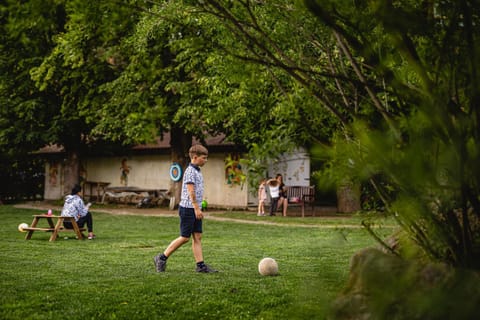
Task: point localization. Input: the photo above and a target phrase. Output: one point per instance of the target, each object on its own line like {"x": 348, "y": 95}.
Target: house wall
{"x": 54, "y": 183}
{"x": 152, "y": 172}
{"x": 294, "y": 167}
{"x": 146, "y": 171}
{"x": 219, "y": 190}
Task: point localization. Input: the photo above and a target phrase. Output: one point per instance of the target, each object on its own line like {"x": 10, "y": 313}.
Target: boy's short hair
{"x": 197, "y": 150}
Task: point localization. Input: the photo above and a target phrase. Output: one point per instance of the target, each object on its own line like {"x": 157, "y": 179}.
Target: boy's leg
{"x": 187, "y": 227}
{"x": 197, "y": 247}
{"x": 198, "y": 254}
{"x": 160, "y": 260}
{"x": 187, "y": 222}
{"x": 197, "y": 240}
{"x": 174, "y": 245}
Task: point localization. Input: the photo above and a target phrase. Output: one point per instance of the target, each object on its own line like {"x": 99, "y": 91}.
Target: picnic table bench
{"x": 94, "y": 190}
{"x": 301, "y": 196}
{"x": 55, "y": 228}
{"x": 133, "y": 195}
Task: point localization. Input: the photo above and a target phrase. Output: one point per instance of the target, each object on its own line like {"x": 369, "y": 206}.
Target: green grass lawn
{"x": 113, "y": 277}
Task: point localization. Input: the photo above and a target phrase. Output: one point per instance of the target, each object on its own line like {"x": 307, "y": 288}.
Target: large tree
{"x": 282, "y": 79}
{"x": 428, "y": 59}
{"x": 26, "y": 37}
{"x": 184, "y": 72}
{"x": 180, "y": 75}
{"x": 279, "y": 74}
{"x": 400, "y": 77}
{"x": 55, "y": 58}
{"x": 82, "y": 59}
{"x": 142, "y": 103}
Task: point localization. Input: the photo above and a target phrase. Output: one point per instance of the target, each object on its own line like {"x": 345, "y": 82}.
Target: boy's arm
{"x": 193, "y": 198}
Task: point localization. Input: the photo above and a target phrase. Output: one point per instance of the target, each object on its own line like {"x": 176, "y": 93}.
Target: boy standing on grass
{"x": 190, "y": 212}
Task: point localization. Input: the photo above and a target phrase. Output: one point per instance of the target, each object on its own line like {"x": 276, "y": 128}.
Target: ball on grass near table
{"x": 22, "y": 226}
{"x": 268, "y": 267}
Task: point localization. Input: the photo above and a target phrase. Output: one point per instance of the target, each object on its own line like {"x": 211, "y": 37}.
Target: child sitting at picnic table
{"x": 75, "y": 207}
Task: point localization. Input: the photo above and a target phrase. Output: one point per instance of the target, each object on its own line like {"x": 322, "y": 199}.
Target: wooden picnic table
{"x": 127, "y": 194}
{"x": 55, "y": 228}
{"x": 94, "y": 189}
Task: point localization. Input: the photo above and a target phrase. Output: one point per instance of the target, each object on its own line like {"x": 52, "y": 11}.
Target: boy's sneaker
{"x": 160, "y": 265}
{"x": 205, "y": 269}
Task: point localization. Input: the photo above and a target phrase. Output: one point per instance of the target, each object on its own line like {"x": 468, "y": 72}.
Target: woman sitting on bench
{"x": 283, "y": 201}
{"x": 75, "y": 207}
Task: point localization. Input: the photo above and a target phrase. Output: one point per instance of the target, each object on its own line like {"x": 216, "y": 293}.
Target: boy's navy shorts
{"x": 188, "y": 223}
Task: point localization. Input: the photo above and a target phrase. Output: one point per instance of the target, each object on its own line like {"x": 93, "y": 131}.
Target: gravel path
{"x": 162, "y": 212}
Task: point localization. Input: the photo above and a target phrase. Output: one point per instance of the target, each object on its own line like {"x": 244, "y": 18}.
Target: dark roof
{"x": 51, "y": 148}
{"x": 164, "y": 143}
{"x": 161, "y": 144}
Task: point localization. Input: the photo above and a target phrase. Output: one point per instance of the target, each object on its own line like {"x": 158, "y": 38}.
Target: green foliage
{"x": 383, "y": 286}
{"x": 259, "y": 51}
{"x": 80, "y": 62}
{"x": 57, "y": 54}
{"x": 129, "y": 72}
{"x": 22, "y": 179}
{"x": 426, "y": 148}
{"x": 253, "y": 87}
{"x": 26, "y": 35}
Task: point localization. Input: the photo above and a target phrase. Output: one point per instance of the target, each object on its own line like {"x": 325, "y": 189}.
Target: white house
{"x": 149, "y": 167}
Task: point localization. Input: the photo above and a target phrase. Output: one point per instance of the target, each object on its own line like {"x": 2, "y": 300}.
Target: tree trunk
{"x": 348, "y": 198}
{"x": 180, "y": 142}
{"x": 71, "y": 171}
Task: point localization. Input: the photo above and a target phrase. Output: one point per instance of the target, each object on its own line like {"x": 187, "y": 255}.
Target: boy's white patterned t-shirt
{"x": 192, "y": 175}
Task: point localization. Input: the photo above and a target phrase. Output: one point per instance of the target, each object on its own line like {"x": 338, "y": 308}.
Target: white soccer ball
{"x": 22, "y": 226}
{"x": 268, "y": 267}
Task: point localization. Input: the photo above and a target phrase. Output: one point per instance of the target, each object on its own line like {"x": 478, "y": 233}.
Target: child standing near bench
{"x": 262, "y": 197}
{"x": 274, "y": 189}
{"x": 283, "y": 200}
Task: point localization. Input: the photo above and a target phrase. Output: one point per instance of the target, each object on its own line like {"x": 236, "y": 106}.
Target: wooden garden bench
{"x": 55, "y": 228}
{"x": 301, "y": 196}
